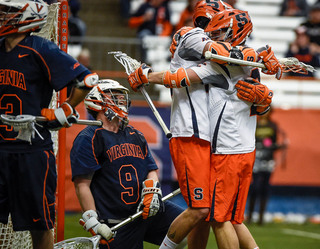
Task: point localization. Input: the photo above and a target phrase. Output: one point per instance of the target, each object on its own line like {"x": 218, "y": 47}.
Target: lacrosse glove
{"x": 64, "y": 116}
{"x": 176, "y": 38}
{"x": 270, "y": 61}
{"x": 91, "y": 224}
{"x": 150, "y": 198}
{"x": 253, "y": 91}
{"x": 139, "y": 77}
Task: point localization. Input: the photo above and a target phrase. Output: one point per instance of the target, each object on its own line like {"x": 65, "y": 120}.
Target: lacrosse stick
{"x": 138, "y": 214}
{"x": 79, "y": 121}
{"x": 79, "y": 243}
{"x": 130, "y": 65}
{"x": 290, "y": 64}
{"x": 25, "y": 125}
{"x": 93, "y": 242}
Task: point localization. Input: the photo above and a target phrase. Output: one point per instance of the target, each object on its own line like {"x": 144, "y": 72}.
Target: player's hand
{"x": 91, "y": 224}
{"x": 139, "y": 77}
{"x": 253, "y": 91}
{"x": 150, "y": 198}
{"x": 262, "y": 109}
{"x": 270, "y": 61}
{"x": 176, "y": 37}
{"x": 64, "y": 116}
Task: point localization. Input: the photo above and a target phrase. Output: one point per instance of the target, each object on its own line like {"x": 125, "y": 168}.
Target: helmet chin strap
{"x": 110, "y": 115}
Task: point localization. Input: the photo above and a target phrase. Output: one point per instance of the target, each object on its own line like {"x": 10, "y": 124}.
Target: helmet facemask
{"x": 22, "y": 16}
{"x": 116, "y": 104}
{"x": 111, "y": 98}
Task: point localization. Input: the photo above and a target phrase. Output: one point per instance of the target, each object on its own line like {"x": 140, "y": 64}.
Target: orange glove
{"x": 139, "y": 77}
{"x": 270, "y": 61}
{"x": 176, "y": 38}
{"x": 64, "y": 116}
{"x": 259, "y": 109}
{"x": 151, "y": 196}
{"x": 253, "y": 91}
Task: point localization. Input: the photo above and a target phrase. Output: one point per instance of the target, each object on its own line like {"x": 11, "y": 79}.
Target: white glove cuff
{"x": 61, "y": 116}
{"x": 88, "y": 214}
{"x": 92, "y": 223}
{"x": 152, "y": 190}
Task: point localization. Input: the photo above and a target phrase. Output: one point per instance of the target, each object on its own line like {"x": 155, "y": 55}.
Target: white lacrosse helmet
{"x": 111, "y": 97}
{"x": 20, "y": 16}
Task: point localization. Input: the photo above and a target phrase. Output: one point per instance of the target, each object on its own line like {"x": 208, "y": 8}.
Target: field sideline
{"x": 269, "y": 236}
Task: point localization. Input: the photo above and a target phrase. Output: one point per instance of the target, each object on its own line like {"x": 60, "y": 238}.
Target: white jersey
{"x": 232, "y": 127}
{"x": 189, "y": 114}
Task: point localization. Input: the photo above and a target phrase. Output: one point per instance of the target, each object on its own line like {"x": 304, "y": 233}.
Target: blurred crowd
{"x": 154, "y": 18}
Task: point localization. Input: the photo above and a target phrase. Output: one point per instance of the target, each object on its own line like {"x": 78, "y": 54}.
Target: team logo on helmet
{"x": 20, "y": 16}
{"x": 230, "y": 25}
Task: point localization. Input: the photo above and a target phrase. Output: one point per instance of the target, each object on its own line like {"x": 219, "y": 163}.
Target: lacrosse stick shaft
{"x": 138, "y": 214}
{"x": 155, "y": 112}
{"x": 210, "y": 55}
{"x": 299, "y": 67}
{"x": 79, "y": 121}
{"x": 130, "y": 65}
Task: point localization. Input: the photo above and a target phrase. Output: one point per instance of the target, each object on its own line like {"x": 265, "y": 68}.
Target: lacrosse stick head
{"x": 230, "y": 25}
{"x": 24, "y": 124}
{"x": 111, "y": 98}
{"x": 79, "y": 243}
{"x": 20, "y": 16}
{"x": 126, "y": 61}
{"x": 292, "y": 64}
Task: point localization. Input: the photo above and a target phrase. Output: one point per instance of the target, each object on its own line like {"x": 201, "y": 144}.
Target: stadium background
{"x": 296, "y": 180}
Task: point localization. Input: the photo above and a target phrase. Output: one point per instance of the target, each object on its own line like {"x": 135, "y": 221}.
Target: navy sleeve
{"x": 82, "y": 157}
{"x": 149, "y": 160}
{"x": 62, "y": 67}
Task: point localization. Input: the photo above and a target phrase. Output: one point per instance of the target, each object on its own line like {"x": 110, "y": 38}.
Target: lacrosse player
{"x": 115, "y": 174}
{"x": 215, "y": 114}
{"x": 32, "y": 67}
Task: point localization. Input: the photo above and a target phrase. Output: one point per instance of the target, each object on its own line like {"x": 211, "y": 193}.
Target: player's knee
{"x": 200, "y": 213}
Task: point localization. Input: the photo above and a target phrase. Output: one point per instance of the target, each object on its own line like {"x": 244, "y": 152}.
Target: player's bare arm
{"x": 82, "y": 187}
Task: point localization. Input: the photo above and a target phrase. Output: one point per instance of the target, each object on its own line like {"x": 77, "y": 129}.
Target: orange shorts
{"x": 191, "y": 159}
{"x": 231, "y": 179}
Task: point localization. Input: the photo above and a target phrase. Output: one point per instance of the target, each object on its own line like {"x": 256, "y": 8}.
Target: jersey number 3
{"x": 10, "y": 104}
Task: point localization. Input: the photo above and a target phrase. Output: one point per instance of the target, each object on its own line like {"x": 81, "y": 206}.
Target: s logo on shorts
{"x": 198, "y": 194}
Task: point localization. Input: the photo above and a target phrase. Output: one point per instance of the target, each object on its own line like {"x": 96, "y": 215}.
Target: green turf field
{"x": 269, "y": 236}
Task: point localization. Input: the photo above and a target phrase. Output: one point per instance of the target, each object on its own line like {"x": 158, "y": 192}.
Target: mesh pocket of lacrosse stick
{"x": 18, "y": 122}
{"x": 79, "y": 243}
{"x": 292, "y": 64}
{"x": 24, "y": 124}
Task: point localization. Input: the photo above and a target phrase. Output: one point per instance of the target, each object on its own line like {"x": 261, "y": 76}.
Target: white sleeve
{"x": 192, "y": 45}
{"x": 212, "y": 73}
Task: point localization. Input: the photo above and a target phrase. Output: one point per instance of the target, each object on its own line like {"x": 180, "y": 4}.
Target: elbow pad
{"x": 177, "y": 79}
{"x": 88, "y": 82}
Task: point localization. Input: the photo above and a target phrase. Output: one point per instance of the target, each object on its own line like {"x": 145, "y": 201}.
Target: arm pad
{"x": 177, "y": 79}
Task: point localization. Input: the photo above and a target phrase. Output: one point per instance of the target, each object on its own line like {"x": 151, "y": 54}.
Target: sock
{"x": 167, "y": 244}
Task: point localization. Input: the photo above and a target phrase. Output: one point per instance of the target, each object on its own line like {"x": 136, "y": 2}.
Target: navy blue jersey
{"x": 28, "y": 75}
{"x": 120, "y": 163}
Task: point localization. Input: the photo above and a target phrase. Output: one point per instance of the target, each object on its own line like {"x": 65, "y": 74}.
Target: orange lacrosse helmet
{"x": 230, "y": 25}
{"x": 205, "y": 10}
